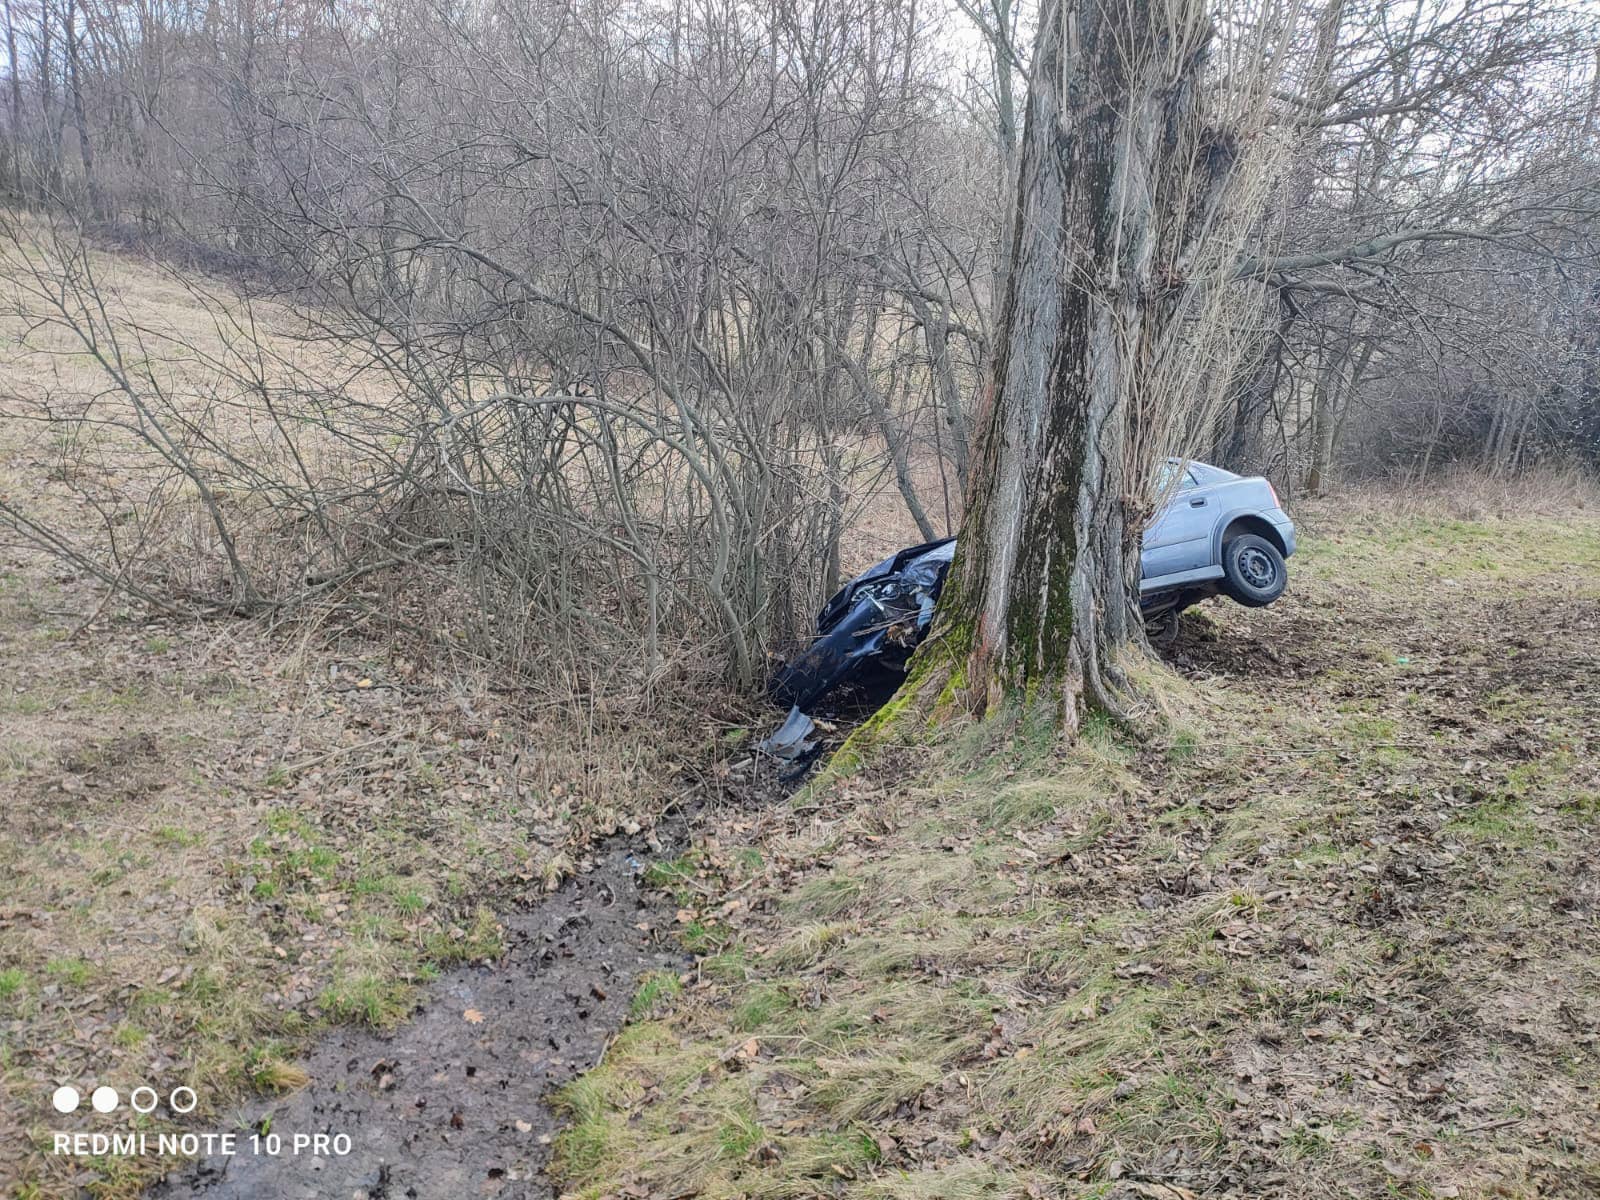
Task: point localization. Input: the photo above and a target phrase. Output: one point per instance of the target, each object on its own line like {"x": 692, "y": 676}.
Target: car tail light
{"x": 1274, "y": 493}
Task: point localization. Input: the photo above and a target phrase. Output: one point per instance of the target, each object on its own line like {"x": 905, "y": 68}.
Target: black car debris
{"x": 1217, "y": 533}
{"x": 865, "y": 636}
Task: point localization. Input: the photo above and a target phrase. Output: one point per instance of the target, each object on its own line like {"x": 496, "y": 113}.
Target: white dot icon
{"x": 65, "y": 1099}
{"x": 104, "y": 1099}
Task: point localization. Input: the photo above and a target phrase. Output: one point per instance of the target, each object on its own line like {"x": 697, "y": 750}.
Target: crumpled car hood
{"x": 878, "y": 617}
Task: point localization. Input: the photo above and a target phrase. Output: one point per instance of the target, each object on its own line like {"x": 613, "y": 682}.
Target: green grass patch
{"x": 70, "y": 972}
{"x": 1503, "y": 819}
{"x": 367, "y": 997}
{"x": 13, "y": 980}
{"x": 480, "y": 939}
{"x": 656, "y": 991}
{"x": 761, "y": 1008}
{"x": 670, "y": 874}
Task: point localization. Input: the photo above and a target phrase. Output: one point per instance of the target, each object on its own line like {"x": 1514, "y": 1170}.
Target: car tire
{"x": 1254, "y": 571}
{"x": 1162, "y": 629}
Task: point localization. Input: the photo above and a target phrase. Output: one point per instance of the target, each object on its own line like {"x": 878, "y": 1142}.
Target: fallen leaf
{"x": 472, "y": 1017}
{"x": 1163, "y": 1191}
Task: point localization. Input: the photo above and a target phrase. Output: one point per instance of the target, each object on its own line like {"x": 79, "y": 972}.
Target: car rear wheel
{"x": 1254, "y": 570}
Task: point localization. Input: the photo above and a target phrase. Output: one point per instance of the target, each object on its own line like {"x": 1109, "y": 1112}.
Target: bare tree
{"x": 700, "y": 286}
{"x": 1119, "y": 178}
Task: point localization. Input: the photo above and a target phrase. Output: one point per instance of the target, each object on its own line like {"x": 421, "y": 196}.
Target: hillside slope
{"x": 1336, "y": 935}
{"x": 223, "y": 837}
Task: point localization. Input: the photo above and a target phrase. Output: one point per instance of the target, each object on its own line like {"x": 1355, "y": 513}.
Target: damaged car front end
{"x": 1212, "y": 533}
{"x": 865, "y": 636}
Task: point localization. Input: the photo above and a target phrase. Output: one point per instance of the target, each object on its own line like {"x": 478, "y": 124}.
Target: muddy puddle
{"x": 452, "y": 1104}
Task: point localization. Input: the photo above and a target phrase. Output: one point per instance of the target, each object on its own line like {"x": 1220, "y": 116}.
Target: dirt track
{"x": 451, "y": 1103}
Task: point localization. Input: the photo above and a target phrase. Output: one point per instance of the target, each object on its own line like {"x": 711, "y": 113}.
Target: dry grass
{"x": 1333, "y": 933}
{"x": 222, "y": 835}
{"x": 226, "y": 834}
{"x": 1470, "y": 494}
{"x": 215, "y": 843}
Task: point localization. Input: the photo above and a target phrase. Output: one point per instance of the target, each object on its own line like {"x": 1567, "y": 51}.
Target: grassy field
{"x": 1333, "y": 933}
{"x": 224, "y": 836}
{"x": 221, "y": 836}
{"x": 1334, "y": 928}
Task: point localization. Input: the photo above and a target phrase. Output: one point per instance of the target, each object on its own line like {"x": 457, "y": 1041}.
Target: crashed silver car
{"x": 1216, "y": 533}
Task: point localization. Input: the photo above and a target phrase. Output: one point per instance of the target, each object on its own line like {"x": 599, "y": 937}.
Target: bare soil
{"x": 453, "y": 1102}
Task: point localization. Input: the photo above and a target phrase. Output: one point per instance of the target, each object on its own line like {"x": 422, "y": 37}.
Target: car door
{"x": 1178, "y": 539}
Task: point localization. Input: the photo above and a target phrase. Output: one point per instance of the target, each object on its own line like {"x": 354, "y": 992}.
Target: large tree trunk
{"x": 1041, "y": 597}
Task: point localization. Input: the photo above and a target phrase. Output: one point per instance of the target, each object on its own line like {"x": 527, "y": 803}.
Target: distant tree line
{"x": 849, "y": 164}
{"x": 740, "y": 267}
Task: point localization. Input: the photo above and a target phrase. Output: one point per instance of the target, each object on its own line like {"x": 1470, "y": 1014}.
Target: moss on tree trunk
{"x": 1041, "y": 600}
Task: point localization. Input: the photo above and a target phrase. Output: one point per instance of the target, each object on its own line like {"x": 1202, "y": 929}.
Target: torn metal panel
{"x": 792, "y": 739}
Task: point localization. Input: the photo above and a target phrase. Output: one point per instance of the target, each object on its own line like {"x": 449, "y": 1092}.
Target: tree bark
{"x": 1040, "y": 601}
{"x": 80, "y": 119}
{"x": 18, "y": 179}
{"x": 1322, "y": 401}
{"x": 1240, "y": 442}
{"x": 935, "y": 324}
{"x": 48, "y": 171}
